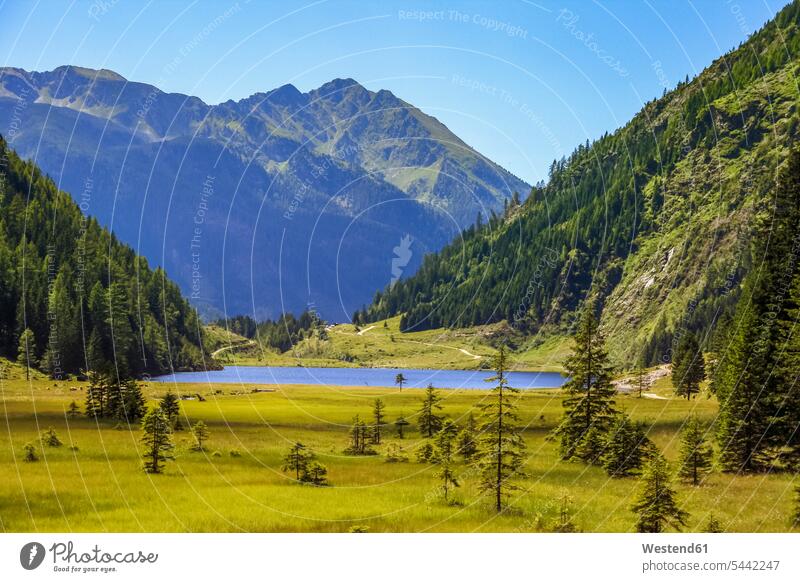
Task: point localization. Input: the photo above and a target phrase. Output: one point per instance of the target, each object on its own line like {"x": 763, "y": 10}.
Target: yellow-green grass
{"x": 381, "y": 344}
{"x": 101, "y": 487}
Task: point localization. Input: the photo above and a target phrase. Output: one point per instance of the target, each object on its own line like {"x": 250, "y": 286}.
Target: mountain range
{"x": 278, "y": 202}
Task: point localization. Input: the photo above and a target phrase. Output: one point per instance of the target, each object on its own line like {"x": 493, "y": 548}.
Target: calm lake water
{"x": 362, "y": 377}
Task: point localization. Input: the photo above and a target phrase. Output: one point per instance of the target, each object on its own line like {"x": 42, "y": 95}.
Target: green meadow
{"x": 237, "y": 484}
{"x": 382, "y": 344}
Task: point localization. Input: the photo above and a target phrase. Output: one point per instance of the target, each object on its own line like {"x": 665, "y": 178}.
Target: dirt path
{"x": 363, "y": 331}
{"x": 465, "y": 352}
{"x": 653, "y": 396}
{"x": 215, "y": 353}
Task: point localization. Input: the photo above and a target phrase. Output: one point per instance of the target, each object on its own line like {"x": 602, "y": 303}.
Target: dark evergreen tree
{"x": 426, "y": 453}
{"x": 157, "y": 440}
{"x": 73, "y": 410}
{"x": 400, "y": 380}
{"x": 171, "y": 407}
{"x": 444, "y": 444}
{"x": 592, "y": 446}
{"x": 688, "y": 368}
{"x": 378, "y": 420}
{"x": 26, "y": 353}
{"x": 315, "y": 474}
{"x": 627, "y": 447}
{"x": 97, "y": 395}
{"x": 201, "y": 434}
{"x": 655, "y": 504}
{"x": 501, "y": 451}
{"x": 360, "y": 439}
{"x": 467, "y": 443}
{"x": 695, "y": 460}
{"x": 131, "y": 405}
{"x": 428, "y": 421}
{"x": 589, "y": 401}
{"x": 640, "y": 380}
{"x": 713, "y": 525}
{"x": 50, "y": 438}
{"x": 756, "y": 377}
{"x": 297, "y": 460}
{"x": 30, "y": 453}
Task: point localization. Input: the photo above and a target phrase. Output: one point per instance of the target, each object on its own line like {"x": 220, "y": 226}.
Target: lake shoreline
{"x": 362, "y": 377}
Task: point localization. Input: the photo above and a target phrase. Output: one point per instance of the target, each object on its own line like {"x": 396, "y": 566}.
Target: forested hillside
{"x": 88, "y": 301}
{"x": 652, "y": 221}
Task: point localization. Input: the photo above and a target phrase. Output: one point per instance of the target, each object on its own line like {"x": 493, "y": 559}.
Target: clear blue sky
{"x": 523, "y": 82}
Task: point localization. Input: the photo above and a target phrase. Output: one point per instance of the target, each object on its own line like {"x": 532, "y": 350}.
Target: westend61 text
{"x": 675, "y": 549}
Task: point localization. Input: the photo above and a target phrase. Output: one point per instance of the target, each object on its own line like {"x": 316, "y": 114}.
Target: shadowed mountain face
{"x": 277, "y": 202}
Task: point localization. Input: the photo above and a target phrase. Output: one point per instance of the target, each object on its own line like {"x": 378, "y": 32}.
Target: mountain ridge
{"x": 335, "y": 170}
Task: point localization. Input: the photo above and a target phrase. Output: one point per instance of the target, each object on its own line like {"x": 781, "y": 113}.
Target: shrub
{"x": 30, "y": 453}
{"x": 50, "y": 438}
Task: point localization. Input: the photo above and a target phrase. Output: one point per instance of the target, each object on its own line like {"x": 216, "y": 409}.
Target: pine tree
{"x": 50, "y": 438}
{"x": 97, "y": 395}
{"x": 426, "y": 453}
{"x": 396, "y": 454}
{"x": 297, "y": 460}
{"x": 131, "y": 406}
{"x": 565, "y": 523}
{"x": 501, "y": 450}
{"x": 627, "y": 447}
{"x": 468, "y": 439}
{"x": 157, "y": 440}
{"x": 713, "y": 525}
{"x": 26, "y": 354}
{"x": 399, "y": 380}
{"x": 444, "y": 455}
{"x": 200, "y": 433}
{"x": 640, "y": 379}
{"x": 592, "y": 447}
{"x": 73, "y": 410}
{"x": 796, "y": 516}
{"x": 755, "y": 380}
{"x": 655, "y": 504}
{"x": 95, "y": 358}
{"x": 315, "y": 474}
{"x": 429, "y": 422}
{"x": 30, "y": 453}
{"x": 378, "y": 420}
{"x": 118, "y": 322}
{"x": 688, "y": 368}
{"x": 359, "y": 438}
{"x": 589, "y": 392}
{"x": 171, "y": 407}
{"x": 695, "y": 460}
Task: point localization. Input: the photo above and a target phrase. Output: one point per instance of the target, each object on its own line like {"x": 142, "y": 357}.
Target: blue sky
{"x": 523, "y": 82}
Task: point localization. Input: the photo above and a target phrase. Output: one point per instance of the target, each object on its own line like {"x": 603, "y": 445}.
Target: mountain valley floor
{"x": 94, "y": 482}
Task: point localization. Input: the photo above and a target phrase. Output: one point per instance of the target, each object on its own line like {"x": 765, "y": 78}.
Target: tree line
{"x": 280, "y": 334}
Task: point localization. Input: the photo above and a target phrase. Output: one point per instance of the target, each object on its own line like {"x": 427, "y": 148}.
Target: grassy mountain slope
{"x": 651, "y": 221}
